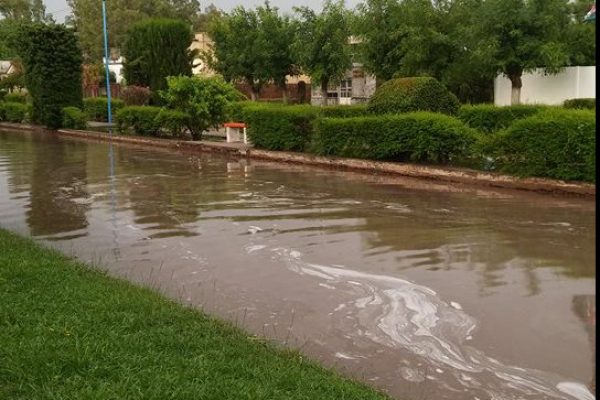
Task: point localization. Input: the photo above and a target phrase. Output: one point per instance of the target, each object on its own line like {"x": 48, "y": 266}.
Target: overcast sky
{"x": 60, "y": 9}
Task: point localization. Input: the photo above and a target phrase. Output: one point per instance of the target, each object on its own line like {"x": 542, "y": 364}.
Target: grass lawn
{"x": 69, "y": 332}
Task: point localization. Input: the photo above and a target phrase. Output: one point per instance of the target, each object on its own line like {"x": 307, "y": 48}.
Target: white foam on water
{"x": 576, "y": 390}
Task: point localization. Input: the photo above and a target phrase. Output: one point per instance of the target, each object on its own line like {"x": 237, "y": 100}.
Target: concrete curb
{"x": 447, "y": 174}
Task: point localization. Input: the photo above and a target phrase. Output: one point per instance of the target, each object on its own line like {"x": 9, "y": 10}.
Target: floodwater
{"x": 425, "y": 290}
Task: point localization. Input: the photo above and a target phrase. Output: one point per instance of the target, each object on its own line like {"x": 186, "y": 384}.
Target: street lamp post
{"x": 106, "y": 63}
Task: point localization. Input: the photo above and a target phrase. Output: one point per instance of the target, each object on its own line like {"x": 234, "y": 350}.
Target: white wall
{"x": 571, "y": 83}
{"x": 115, "y": 66}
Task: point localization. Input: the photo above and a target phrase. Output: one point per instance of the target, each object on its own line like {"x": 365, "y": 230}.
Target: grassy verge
{"x": 69, "y": 332}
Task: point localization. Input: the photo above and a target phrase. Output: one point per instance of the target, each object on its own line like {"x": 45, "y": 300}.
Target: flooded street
{"x": 426, "y": 290}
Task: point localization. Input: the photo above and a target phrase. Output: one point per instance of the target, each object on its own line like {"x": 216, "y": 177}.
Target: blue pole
{"x": 106, "y": 66}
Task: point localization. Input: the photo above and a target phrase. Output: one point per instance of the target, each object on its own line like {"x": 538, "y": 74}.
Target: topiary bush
{"x": 172, "y": 123}
{"x": 96, "y": 108}
{"x": 52, "y": 58}
{"x": 74, "y": 118}
{"x": 355, "y": 110}
{"x": 136, "y": 95}
{"x": 16, "y": 97}
{"x": 489, "y": 118}
{"x": 580, "y": 104}
{"x": 419, "y": 136}
{"x": 558, "y": 144}
{"x": 413, "y": 94}
{"x": 139, "y": 120}
{"x": 279, "y": 127}
{"x": 13, "y": 112}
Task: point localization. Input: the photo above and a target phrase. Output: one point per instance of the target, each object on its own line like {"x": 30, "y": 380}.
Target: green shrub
{"x": 13, "y": 112}
{"x": 172, "y": 123}
{"x": 16, "y": 97}
{"x": 74, "y": 118}
{"x": 580, "y": 104}
{"x": 558, "y": 144}
{"x": 96, "y": 108}
{"x": 54, "y": 72}
{"x": 490, "y": 118}
{"x": 278, "y": 127}
{"x": 139, "y": 120}
{"x": 419, "y": 136}
{"x": 136, "y": 95}
{"x": 413, "y": 94}
{"x": 355, "y": 110}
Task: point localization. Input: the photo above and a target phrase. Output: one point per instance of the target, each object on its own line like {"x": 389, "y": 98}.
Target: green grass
{"x": 69, "y": 332}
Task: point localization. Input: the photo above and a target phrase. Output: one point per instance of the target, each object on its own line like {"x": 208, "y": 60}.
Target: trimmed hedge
{"x": 74, "y": 118}
{"x": 96, "y": 108}
{"x": 558, "y": 144}
{"x": 355, "y": 110}
{"x": 139, "y": 120}
{"x": 580, "y": 104}
{"x": 489, "y": 118}
{"x": 13, "y": 112}
{"x": 419, "y": 136}
{"x": 413, "y": 94}
{"x": 172, "y": 123}
{"x": 278, "y": 127}
{"x": 16, "y": 98}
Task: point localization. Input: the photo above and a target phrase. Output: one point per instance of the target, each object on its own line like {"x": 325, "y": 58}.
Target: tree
{"x": 322, "y": 43}
{"x": 53, "y": 72}
{"x": 521, "y": 35}
{"x": 155, "y": 49}
{"x": 205, "y": 99}
{"x": 24, "y": 10}
{"x": 237, "y": 53}
{"x": 203, "y": 20}
{"x": 121, "y": 15}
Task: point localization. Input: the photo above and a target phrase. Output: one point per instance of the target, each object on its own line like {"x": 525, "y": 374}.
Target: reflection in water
{"x": 397, "y": 281}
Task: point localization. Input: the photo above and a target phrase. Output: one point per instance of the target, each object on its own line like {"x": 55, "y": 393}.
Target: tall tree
{"x": 121, "y": 15}
{"x": 322, "y": 43}
{"x": 28, "y": 10}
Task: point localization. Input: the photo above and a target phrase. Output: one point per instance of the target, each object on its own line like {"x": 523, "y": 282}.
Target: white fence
{"x": 571, "y": 83}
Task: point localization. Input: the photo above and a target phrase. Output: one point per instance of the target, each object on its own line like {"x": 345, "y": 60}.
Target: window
{"x": 346, "y": 87}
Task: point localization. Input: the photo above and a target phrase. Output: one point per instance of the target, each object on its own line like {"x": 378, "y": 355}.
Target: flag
{"x": 591, "y": 15}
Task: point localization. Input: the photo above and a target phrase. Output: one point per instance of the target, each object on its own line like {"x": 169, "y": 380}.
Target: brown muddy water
{"x": 426, "y": 290}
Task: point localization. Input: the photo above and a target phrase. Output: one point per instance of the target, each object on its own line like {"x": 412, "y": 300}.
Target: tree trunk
{"x": 516, "y": 85}
{"x": 252, "y": 95}
{"x": 324, "y": 86}
{"x": 284, "y": 93}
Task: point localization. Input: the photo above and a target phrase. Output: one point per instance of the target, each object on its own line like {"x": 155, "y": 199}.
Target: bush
{"x": 96, "y": 108}
{"x": 419, "y": 136}
{"x": 139, "y": 120}
{"x": 54, "y": 72}
{"x": 490, "y": 118}
{"x": 74, "y": 118}
{"x": 205, "y": 99}
{"x": 558, "y": 144}
{"x": 172, "y": 123}
{"x": 16, "y": 97}
{"x": 278, "y": 127}
{"x": 13, "y": 112}
{"x": 580, "y": 104}
{"x": 413, "y": 94}
{"x": 136, "y": 96}
{"x": 355, "y": 110}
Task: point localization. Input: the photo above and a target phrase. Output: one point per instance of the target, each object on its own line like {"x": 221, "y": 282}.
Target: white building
{"x": 538, "y": 88}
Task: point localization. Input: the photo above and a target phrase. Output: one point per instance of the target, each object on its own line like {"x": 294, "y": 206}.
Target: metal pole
{"x": 106, "y": 62}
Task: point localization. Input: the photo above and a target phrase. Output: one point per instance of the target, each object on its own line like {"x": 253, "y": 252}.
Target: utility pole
{"x": 106, "y": 63}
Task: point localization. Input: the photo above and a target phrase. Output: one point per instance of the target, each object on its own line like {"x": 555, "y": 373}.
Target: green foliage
{"x": 173, "y": 123}
{"x": 136, "y": 95}
{"x": 156, "y": 49}
{"x": 322, "y": 44}
{"x": 16, "y": 97}
{"x": 204, "y": 99}
{"x": 413, "y": 94}
{"x": 279, "y": 127}
{"x": 24, "y": 10}
{"x": 490, "y": 118}
{"x": 558, "y": 144}
{"x": 580, "y": 104}
{"x": 356, "y": 110}
{"x": 96, "y": 108}
{"x": 13, "y": 81}
{"x": 74, "y": 118}
{"x": 139, "y": 120}
{"x": 419, "y": 136}
{"x": 52, "y": 59}
{"x": 13, "y": 112}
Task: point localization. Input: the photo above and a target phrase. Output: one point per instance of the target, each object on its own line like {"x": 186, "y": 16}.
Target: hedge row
{"x": 14, "y": 112}
{"x": 16, "y": 97}
{"x": 151, "y": 121}
{"x": 96, "y": 108}
{"x": 74, "y": 118}
{"x": 580, "y": 104}
{"x": 489, "y": 118}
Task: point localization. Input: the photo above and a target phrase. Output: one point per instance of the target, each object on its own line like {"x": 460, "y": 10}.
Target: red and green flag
{"x": 591, "y": 15}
